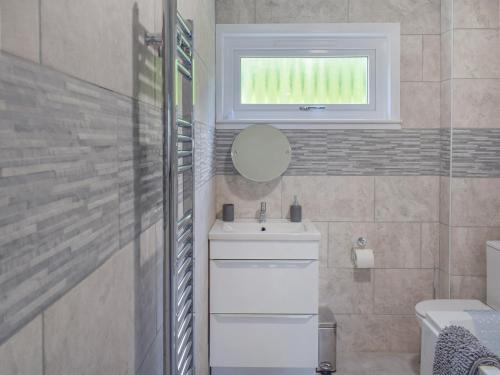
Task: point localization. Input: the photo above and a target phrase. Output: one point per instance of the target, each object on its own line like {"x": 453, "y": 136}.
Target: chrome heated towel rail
{"x": 181, "y": 208}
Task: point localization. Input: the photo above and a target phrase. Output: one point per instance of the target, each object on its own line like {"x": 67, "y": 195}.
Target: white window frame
{"x": 380, "y": 42}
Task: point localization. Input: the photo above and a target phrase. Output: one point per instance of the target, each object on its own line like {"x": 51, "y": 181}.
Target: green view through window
{"x": 304, "y": 80}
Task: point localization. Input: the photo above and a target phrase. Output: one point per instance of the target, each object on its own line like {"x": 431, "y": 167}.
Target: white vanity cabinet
{"x": 264, "y": 299}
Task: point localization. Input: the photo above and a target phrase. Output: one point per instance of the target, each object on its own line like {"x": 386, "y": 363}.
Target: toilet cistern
{"x": 262, "y": 214}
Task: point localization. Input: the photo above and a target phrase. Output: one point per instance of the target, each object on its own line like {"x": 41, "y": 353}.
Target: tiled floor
{"x": 378, "y": 364}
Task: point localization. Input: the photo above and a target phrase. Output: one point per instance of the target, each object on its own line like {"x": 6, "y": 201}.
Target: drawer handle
{"x": 264, "y": 263}
{"x": 261, "y": 316}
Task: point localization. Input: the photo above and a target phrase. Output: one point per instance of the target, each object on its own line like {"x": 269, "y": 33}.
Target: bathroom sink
{"x": 264, "y": 281}
{"x": 270, "y": 230}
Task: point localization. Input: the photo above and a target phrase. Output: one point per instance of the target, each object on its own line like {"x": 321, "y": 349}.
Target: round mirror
{"x": 261, "y": 153}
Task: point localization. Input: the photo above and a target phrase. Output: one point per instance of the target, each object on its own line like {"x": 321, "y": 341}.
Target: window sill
{"x": 314, "y": 124}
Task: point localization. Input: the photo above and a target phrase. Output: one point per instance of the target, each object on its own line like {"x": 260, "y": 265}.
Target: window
{"x": 321, "y": 73}
{"x": 304, "y": 80}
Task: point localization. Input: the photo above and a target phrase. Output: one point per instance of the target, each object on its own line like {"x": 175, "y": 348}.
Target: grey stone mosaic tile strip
{"x": 204, "y": 153}
{"x": 351, "y": 152}
{"x": 309, "y": 154}
{"x": 223, "y": 141}
{"x": 80, "y": 175}
{"x": 476, "y": 153}
{"x": 140, "y": 155}
{"x": 445, "y": 159}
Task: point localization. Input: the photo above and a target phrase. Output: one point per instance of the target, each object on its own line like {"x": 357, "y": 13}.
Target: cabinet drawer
{"x": 264, "y": 249}
{"x": 289, "y": 341}
{"x": 264, "y": 286}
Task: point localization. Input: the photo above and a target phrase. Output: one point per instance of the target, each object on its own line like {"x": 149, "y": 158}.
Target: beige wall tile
{"x": 343, "y": 236}
{"x": 146, "y": 302}
{"x": 444, "y": 199}
{"x": 411, "y": 57}
{"x": 407, "y": 198}
{"x": 468, "y": 246}
{"x": 432, "y": 58}
{"x": 475, "y": 202}
{"x": 468, "y": 287}
{"x": 395, "y": 245}
{"x": 397, "y": 291}
{"x": 378, "y": 333}
{"x": 91, "y": 329}
{"x": 444, "y": 247}
{"x": 446, "y": 52}
{"x": 475, "y": 14}
{"x": 476, "y": 103}
{"x": 247, "y": 195}
{"x": 284, "y": 11}
{"x": 323, "y": 245}
{"x": 415, "y": 16}
{"x": 153, "y": 363}
{"x": 429, "y": 245}
{"x": 147, "y": 246}
{"x": 446, "y": 15}
{"x": 19, "y": 28}
{"x": 204, "y": 34}
{"x": 420, "y": 107}
{"x": 22, "y": 353}
{"x": 476, "y": 53}
{"x": 443, "y": 287}
{"x": 203, "y": 93}
{"x": 235, "y": 11}
{"x": 330, "y": 198}
{"x": 446, "y": 104}
{"x": 97, "y": 41}
{"x": 346, "y": 291}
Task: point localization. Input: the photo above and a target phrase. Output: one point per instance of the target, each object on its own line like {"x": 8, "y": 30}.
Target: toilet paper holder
{"x": 360, "y": 244}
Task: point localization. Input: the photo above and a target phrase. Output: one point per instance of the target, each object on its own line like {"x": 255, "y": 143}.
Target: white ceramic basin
{"x": 271, "y": 230}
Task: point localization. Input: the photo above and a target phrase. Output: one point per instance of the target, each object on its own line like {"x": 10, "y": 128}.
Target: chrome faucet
{"x": 262, "y": 215}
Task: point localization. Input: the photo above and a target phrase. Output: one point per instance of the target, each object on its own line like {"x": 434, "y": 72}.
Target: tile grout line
{"x": 254, "y": 11}
{"x": 372, "y": 273}
{"x": 327, "y": 245}
{"x": 422, "y": 62}
{"x": 374, "y": 198}
{"x": 40, "y": 32}
{"x": 44, "y": 364}
{"x": 421, "y": 236}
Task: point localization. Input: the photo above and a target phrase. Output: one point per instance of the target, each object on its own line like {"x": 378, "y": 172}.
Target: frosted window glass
{"x": 304, "y": 80}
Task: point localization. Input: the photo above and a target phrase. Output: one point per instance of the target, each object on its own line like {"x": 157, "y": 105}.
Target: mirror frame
{"x": 287, "y": 151}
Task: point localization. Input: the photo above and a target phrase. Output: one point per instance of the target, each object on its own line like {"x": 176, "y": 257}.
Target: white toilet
{"x": 434, "y": 315}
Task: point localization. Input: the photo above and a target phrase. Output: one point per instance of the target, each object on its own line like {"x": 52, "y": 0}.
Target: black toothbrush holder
{"x": 228, "y": 212}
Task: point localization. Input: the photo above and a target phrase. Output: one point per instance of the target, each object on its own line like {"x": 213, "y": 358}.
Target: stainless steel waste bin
{"x": 327, "y": 347}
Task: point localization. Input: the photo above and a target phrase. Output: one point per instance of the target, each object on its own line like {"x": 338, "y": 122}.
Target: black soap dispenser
{"x": 295, "y": 211}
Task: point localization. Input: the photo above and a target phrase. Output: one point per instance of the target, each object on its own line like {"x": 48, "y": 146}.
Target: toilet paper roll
{"x": 364, "y": 258}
